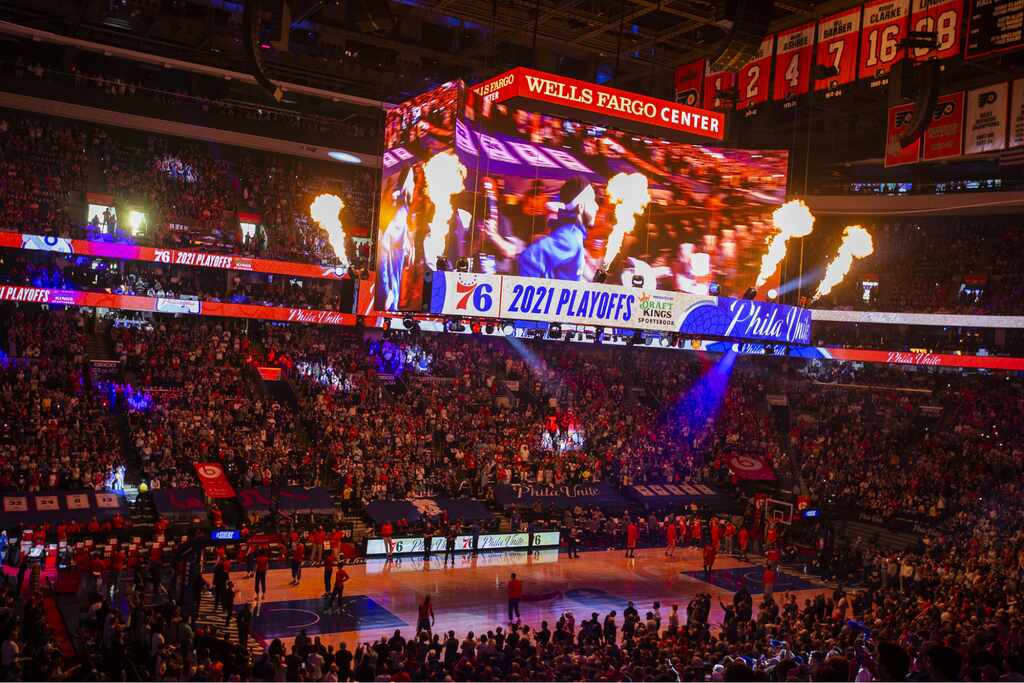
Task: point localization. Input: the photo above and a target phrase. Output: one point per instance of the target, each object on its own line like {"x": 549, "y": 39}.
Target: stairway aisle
{"x": 214, "y": 619}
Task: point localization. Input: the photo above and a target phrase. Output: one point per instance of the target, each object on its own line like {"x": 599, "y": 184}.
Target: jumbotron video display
{"x": 508, "y": 191}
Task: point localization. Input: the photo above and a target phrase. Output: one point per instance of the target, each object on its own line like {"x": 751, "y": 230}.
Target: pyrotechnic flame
{"x": 628, "y": 193}
{"x": 326, "y": 211}
{"x": 445, "y": 176}
{"x": 792, "y": 219}
{"x": 856, "y": 243}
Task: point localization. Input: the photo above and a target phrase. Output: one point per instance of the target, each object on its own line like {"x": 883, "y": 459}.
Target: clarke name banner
{"x": 569, "y": 92}
{"x": 586, "y": 303}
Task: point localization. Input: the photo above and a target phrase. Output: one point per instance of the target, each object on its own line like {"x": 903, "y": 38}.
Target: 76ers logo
{"x": 481, "y": 294}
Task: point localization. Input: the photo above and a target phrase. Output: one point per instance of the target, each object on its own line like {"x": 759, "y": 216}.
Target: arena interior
{"x": 520, "y": 340}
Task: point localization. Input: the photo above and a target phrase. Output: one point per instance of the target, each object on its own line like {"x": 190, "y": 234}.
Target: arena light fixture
{"x": 509, "y": 329}
{"x": 442, "y": 264}
{"x": 638, "y": 281}
{"x": 773, "y": 294}
{"x": 601, "y": 275}
{"x": 555, "y": 331}
{"x": 344, "y": 157}
{"x": 462, "y": 265}
{"x": 750, "y": 294}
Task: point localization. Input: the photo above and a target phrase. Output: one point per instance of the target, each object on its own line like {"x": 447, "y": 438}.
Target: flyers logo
{"x": 903, "y": 118}
{"x": 943, "y": 109}
{"x": 987, "y": 98}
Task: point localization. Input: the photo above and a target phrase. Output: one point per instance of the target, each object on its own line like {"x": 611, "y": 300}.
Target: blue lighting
{"x": 345, "y": 157}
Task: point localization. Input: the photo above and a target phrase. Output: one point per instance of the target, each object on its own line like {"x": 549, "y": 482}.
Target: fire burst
{"x": 857, "y": 243}
{"x": 792, "y": 219}
{"x": 629, "y": 195}
{"x": 326, "y": 211}
{"x": 445, "y": 176}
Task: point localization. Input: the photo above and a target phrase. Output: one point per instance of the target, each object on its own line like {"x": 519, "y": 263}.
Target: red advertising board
{"x": 213, "y": 480}
{"x": 599, "y": 99}
{"x": 752, "y": 82}
{"x": 945, "y": 360}
{"x": 794, "y": 52}
{"x": 897, "y": 122}
{"x": 885, "y": 25}
{"x": 944, "y": 136}
{"x": 66, "y": 245}
{"x": 714, "y": 83}
{"x": 946, "y": 19}
{"x": 838, "y": 37}
{"x": 690, "y": 83}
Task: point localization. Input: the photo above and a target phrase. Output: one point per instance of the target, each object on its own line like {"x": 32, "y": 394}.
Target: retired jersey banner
{"x": 985, "y": 130}
{"x": 945, "y": 19}
{"x": 838, "y": 36}
{"x": 753, "y": 81}
{"x": 994, "y": 26}
{"x": 690, "y": 83}
{"x": 794, "y": 52}
{"x": 213, "y": 480}
{"x": 715, "y": 83}
{"x": 885, "y": 25}
{"x": 1017, "y": 113}
{"x": 897, "y": 122}
{"x": 944, "y": 136}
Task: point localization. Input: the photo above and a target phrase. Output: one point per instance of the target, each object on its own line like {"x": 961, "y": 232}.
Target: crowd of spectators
{"x": 189, "y": 192}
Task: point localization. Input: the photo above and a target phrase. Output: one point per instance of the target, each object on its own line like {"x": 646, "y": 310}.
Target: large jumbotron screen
{"x": 524, "y": 193}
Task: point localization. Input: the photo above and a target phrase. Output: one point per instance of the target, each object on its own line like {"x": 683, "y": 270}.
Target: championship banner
{"x": 689, "y": 80}
{"x": 749, "y": 468}
{"x": 994, "y": 26}
{"x": 753, "y": 81}
{"x": 794, "y": 52}
{"x": 838, "y": 37}
{"x": 213, "y": 480}
{"x": 131, "y": 252}
{"x": 885, "y": 25}
{"x": 715, "y": 83}
{"x": 898, "y": 120}
{"x": 985, "y": 130}
{"x": 599, "y": 99}
{"x": 944, "y": 18}
{"x": 944, "y": 137}
{"x": 566, "y": 496}
{"x": 1017, "y": 113}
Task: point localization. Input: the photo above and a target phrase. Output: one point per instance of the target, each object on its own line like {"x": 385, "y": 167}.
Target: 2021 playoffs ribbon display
{"x": 586, "y": 303}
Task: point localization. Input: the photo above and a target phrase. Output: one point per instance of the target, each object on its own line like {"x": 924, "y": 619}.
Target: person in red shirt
{"x": 339, "y": 587}
{"x": 696, "y": 537}
{"x": 298, "y": 557}
{"x": 716, "y": 533}
{"x": 386, "y": 531}
{"x": 744, "y": 536}
{"x": 774, "y": 557}
{"x": 262, "y": 562}
{"x": 670, "y": 539}
{"x": 632, "y": 534}
{"x": 769, "y": 580}
{"x": 328, "y": 570}
{"x": 94, "y": 526}
{"x": 730, "y": 537}
{"x": 515, "y": 594}
{"x": 118, "y": 522}
{"x": 709, "y": 560}
{"x": 772, "y": 535}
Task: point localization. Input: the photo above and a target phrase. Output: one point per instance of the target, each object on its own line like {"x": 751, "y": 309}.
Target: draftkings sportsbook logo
{"x": 655, "y": 308}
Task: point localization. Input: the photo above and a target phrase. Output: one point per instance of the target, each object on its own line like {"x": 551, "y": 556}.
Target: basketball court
{"x": 382, "y": 596}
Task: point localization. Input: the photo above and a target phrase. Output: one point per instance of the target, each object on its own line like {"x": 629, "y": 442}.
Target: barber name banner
{"x": 65, "y": 245}
{"x": 587, "y": 303}
{"x": 985, "y": 130}
{"x": 837, "y": 48}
